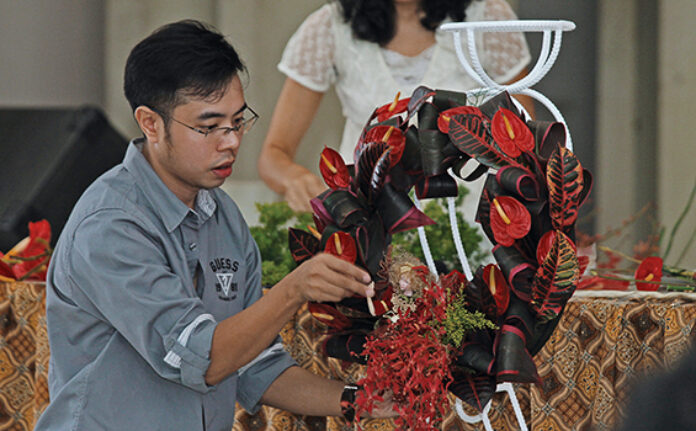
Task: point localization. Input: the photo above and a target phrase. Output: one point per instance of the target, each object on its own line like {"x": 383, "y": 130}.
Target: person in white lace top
{"x": 370, "y": 51}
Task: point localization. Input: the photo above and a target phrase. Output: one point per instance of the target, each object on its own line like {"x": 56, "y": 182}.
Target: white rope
{"x": 424, "y": 243}
{"x": 458, "y": 239}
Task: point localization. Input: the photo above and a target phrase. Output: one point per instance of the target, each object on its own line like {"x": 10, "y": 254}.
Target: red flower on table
{"x": 342, "y": 245}
{"x": 333, "y": 169}
{"x": 649, "y": 273}
{"x": 443, "y": 120}
{"x": 29, "y": 258}
{"x": 494, "y": 278}
{"x": 396, "y": 107}
{"x": 510, "y": 220}
{"x": 511, "y": 133}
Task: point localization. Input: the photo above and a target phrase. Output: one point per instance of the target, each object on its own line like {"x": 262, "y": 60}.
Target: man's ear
{"x": 150, "y": 123}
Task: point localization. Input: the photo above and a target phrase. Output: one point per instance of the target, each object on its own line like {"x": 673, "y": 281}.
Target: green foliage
{"x": 460, "y": 321}
{"x": 440, "y": 235}
{"x": 272, "y": 238}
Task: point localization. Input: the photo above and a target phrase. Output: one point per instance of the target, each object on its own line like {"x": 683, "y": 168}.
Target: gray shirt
{"x": 129, "y": 329}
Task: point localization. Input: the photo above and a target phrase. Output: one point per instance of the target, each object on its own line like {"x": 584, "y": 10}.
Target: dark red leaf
{"x": 303, "y": 245}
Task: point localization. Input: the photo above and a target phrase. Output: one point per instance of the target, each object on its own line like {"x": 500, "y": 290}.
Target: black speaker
{"x": 48, "y": 157}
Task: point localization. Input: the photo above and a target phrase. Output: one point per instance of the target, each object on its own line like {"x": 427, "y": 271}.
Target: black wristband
{"x": 348, "y": 401}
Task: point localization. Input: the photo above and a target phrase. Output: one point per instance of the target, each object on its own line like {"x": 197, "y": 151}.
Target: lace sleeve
{"x": 505, "y": 54}
{"x": 308, "y": 56}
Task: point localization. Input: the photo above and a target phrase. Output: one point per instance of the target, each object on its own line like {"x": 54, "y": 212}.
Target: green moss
{"x": 271, "y": 235}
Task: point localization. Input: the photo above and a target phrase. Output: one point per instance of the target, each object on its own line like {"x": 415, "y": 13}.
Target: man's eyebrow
{"x": 213, "y": 114}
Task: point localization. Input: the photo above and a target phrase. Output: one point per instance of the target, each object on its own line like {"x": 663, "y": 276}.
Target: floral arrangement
{"x": 28, "y": 260}
{"x": 419, "y": 338}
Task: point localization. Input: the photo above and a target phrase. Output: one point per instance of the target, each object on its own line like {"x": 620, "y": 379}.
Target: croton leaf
{"x": 342, "y": 245}
{"x": 303, "y": 245}
{"x": 419, "y": 96}
{"x": 474, "y": 389}
{"x": 511, "y": 133}
{"x": 445, "y": 117}
{"x": 438, "y": 186}
{"x": 564, "y": 178}
{"x": 328, "y": 315}
{"x": 556, "y": 278}
{"x": 509, "y": 219}
{"x": 398, "y": 212}
{"x": 470, "y": 134}
{"x": 333, "y": 169}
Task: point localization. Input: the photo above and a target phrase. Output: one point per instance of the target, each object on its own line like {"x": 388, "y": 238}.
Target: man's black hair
{"x": 374, "y": 20}
{"x": 185, "y": 58}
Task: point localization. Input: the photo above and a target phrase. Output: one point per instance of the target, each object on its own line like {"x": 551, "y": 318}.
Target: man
{"x": 155, "y": 314}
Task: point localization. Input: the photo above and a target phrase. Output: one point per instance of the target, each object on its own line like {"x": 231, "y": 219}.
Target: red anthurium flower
{"x": 511, "y": 133}
{"x": 650, "y": 269}
{"x": 396, "y": 107}
{"x": 34, "y": 253}
{"x": 445, "y": 116}
{"x": 510, "y": 220}
{"x": 328, "y": 315}
{"x": 6, "y": 273}
{"x": 342, "y": 245}
{"x": 393, "y": 136}
{"x": 499, "y": 288}
{"x": 333, "y": 169}
{"x": 596, "y": 282}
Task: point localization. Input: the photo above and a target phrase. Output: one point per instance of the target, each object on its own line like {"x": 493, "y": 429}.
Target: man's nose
{"x": 230, "y": 141}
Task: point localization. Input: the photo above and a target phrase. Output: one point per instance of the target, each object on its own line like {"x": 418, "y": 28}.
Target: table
{"x": 603, "y": 342}
{"x": 23, "y": 355}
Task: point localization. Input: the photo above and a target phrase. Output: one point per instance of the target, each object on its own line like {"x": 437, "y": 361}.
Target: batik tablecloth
{"x": 23, "y": 355}
{"x": 603, "y": 341}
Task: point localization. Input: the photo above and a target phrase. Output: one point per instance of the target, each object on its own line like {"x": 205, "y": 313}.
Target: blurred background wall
{"x": 624, "y": 81}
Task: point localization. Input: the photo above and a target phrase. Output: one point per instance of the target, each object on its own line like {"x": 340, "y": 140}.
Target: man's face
{"x": 188, "y": 161}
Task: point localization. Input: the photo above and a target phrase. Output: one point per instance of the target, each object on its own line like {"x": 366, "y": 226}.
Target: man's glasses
{"x": 242, "y": 125}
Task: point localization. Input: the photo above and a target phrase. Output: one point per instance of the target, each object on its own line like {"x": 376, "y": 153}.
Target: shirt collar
{"x": 171, "y": 210}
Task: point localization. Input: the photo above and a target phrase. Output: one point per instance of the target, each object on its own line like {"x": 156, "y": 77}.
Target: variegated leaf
{"x": 556, "y": 278}
{"x": 564, "y": 177}
{"x": 303, "y": 245}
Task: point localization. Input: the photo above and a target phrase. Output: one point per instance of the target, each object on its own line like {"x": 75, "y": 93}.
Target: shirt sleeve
{"x": 256, "y": 376}
{"x": 506, "y": 54}
{"x": 130, "y": 285}
{"x": 308, "y": 56}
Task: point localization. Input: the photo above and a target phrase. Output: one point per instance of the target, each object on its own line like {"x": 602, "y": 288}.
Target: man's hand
{"x": 328, "y": 278}
{"x": 301, "y": 189}
{"x": 385, "y": 408}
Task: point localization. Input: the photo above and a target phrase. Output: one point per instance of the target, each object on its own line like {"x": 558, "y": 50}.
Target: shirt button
{"x": 192, "y": 246}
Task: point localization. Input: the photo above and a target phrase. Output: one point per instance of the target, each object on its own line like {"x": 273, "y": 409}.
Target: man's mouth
{"x": 223, "y": 171}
